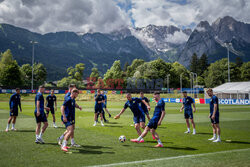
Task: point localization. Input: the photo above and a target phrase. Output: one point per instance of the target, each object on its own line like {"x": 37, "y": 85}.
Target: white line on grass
{"x": 169, "y": 158}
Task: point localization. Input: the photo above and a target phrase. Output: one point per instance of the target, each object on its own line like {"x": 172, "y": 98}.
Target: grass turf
{"x": 100, "y": 145}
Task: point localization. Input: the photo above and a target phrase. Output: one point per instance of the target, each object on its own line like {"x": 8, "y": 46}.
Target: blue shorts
{"x": 188, "y": 115}
{"x": 99, "y": 110}
{"x": 138, "y": 119}
{"x": 14, "y": 112}
{"x": 70, "y": 121}
{"x": 41, "y": 118}
{"x": 52, "y": 110}
{"x": 216, "y": 120}
{"x": 153, "y": 124}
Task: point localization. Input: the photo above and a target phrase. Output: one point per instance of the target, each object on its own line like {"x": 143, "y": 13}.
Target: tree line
{"x": 209, "y": 75}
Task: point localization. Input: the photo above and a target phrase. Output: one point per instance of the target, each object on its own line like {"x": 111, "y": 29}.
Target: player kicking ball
{"x": 50, "y": 101}
{"x": 214, "y": 116}
{"x": 40, "y": 115}
{"x": 68, "y": 118}
{"x": 139, "y": 116}
{"x": 188, "y": 111}
{"x": 15, "y": 102}
{"x": 155, "y": 121}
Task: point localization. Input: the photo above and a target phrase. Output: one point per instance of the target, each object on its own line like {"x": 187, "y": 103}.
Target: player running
{"x": 188, "y": 111}
{"x": 50, "y": 101}
{"x": 15, "y": 101}
{"x": 68, "y": 118}
{"x": 40, "y": 115}
{"x": 214, "y": 115}
{"x": 155, "y": 121}
{"x": 99, "y": 101}
{"x": 139, "y": 116}
{"x": 67, "y": 95}
{"x": 143, "y": 106}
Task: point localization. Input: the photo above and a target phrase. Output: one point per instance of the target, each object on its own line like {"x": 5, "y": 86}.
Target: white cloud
{"x": 163, "y": 12}
{"x": 63, "y": 15}
{"x": 177, "y": 38}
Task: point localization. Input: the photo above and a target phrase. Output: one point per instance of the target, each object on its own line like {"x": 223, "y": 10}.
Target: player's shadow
{"x": 94, "y": 147}
{"x": 204, "y": 133}
{"x": 23, "y": 130}
{"x": 156, "y": 142}
{"x": 182, "y": 148}
{"x": 84, "y": 151}
{"x": 112, "y": 122}
{"x": 237, "y": 142}
{"x": 117, "y": 126}
{"x": 53, "y": 144}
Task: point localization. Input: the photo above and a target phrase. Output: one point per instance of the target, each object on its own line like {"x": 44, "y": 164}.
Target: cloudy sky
{"x": 107, "y": 15}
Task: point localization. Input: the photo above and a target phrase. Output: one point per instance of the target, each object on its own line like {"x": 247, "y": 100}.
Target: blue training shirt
{"x": 69, "y": 105}
{"x": 67, "y": 95}
{"x": 105, "y": 98}
{"x": 188, "y": 104}
{"x": 39, "y": 97}
{"x": 160, "y": 106}
{"x": 143, "y": 106}
{"x": 99, "y": 98}
{"x": 51, "y": 99}
{"x": 134, "y": 106}
{"x": 214, "y": 100}
{"x": 15, "y": 101}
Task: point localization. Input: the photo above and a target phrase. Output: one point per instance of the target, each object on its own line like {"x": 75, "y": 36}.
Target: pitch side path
{"x": 100, "y": 145}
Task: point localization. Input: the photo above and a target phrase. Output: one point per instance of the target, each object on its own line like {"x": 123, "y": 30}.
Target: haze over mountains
{"x": 60, "y": 50}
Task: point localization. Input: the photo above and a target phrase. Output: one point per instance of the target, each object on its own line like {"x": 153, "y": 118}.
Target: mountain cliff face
{"x": 210, "y": 39}
{"x": 58, "y": 51}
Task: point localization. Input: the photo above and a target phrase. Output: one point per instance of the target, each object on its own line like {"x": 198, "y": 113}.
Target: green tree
{"x": 245, "y": 71}
{"x": 95, "y": 73}
{"x": 77, "y": 72}
{"x": 217, "y": 73}
{"x": 132, "y": 68}
{"x": 238, "y": 62}
{"x": 202, "y": 64}
{"x": 181, "y": 72}
{"x": 194, "y": 63}
{"x": 115, "y": 73}
{"x": 125, "y": 68}
{"x": 10, "y": 74}
{"x": 39, "y": 76}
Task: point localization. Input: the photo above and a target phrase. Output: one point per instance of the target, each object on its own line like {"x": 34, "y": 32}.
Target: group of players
{"x": 138, "y": 106}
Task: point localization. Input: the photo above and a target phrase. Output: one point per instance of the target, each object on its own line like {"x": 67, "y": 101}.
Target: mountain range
{"x": 60, "y": 50}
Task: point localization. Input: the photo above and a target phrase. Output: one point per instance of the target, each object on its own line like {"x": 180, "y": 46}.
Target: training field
{"x": 100, "y": 145}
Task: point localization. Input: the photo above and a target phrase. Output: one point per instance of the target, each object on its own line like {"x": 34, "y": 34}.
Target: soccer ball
{"x": 122, "y": 138}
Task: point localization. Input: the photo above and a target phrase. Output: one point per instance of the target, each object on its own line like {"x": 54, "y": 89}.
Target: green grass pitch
{"x": 100, "y": 145}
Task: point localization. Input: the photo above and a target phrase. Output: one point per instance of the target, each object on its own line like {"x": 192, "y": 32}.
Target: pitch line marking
{"x": 169, "y": 158}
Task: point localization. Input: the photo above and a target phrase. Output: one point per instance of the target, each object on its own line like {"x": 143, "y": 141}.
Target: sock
{"x": 8, "y": 125}
{"x": 37, "y": 136}
{"x": 61, "y": 137}
{"x": 188, "y": 129}
{"x": 54, "y": 123}
{"x": 13, "y": 126}
{"x": 41, "y": 134}
{"x": 139, "y": 138}
{"x": 72, "y": 141}
{"x": 101, "y": 122}
{"x": 159, "y": 141}
{"x": 218, "y": 137}
{"x": 214, "y": 136}
{"x": 64, "y": 144}
{"x": 193, "y": 130}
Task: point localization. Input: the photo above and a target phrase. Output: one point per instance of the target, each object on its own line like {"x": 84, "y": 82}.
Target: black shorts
{"x": 153, "y": 124}
{"x": 14, "y": 112}
{"x": 99, "y": 110}
{"x": 188, "y": 115}
{"x": 41, "y": 118}
{"x": 216, "y": 119}
{"x": 52, "y": 110}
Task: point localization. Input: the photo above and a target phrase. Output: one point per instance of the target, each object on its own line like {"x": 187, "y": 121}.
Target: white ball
{"x": 122, "y": 138}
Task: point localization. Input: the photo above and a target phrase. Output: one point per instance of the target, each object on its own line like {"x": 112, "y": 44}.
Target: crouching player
{"x": 155, "y": 121}
{"x": 68, "y": 118}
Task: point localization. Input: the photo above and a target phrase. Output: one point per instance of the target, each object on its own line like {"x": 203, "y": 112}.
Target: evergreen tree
{"x": 194, "y": 63}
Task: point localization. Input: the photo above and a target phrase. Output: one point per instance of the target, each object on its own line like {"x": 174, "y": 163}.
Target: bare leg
{"x": 54, "y": 118}
{"x": 38, "y": 127}
{"x": 138, "y": 130}
{"x": 9, "y": 120}
{"x": 187, "y": 121}
{"x": 217, "y": 126}
{"x": 142, "y": 125}
{"x": 14, "y": 120}
{"x": 45, "y": 125}
{"x": 193, "y": 124}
